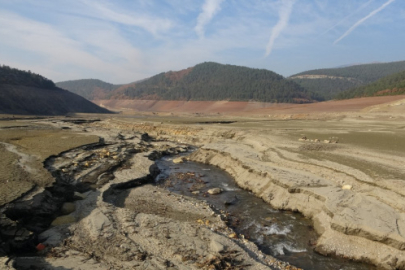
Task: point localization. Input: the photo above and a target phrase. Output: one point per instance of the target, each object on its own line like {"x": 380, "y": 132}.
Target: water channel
{"x": 285, "y": 235}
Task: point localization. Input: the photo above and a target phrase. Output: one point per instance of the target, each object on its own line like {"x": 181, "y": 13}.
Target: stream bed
{"x": 285, "y": 235}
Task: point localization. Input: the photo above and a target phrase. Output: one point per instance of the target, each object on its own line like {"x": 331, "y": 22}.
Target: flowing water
{"x": 285, "y": 235}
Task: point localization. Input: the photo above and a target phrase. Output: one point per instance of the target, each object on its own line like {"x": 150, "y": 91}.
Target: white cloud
{"x": 152, "y": 24}
{"x": 85, "y": 50}
{"x": 284, "y": 13}
{"x": 209, "y": 9}
{"x": 362, "y": 20}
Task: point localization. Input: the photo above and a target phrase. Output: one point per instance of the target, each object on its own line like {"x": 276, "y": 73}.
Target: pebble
{"x": 214, "y": 191}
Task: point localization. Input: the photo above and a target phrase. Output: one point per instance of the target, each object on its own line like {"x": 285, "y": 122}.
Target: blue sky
{"x": 122, "y": 41}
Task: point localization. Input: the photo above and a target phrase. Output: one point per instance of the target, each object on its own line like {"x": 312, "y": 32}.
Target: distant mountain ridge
{"x": 330, "y": 82}
{"x": 90, "y": 89}
{"x": 211, "y": 81}
{"x": 23, "y": 92}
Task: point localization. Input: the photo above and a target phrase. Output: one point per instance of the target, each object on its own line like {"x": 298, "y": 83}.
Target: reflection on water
{"x": 285, "y": 235}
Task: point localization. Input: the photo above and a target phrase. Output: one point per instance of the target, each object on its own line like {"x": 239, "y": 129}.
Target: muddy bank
{"x": 350, "y": 225}
{"x": 285, "y": 235}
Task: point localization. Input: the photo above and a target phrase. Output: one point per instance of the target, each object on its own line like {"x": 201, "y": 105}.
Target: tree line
{"x": 15, "y": 76}
{"x": 390, "y": 85}
{"x": 213, "y": 81}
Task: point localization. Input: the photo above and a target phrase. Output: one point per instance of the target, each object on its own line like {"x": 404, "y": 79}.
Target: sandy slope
{"x": 243, "y": 108}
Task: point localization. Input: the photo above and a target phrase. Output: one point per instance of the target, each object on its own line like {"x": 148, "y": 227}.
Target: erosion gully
{"x": 285, "y": 235}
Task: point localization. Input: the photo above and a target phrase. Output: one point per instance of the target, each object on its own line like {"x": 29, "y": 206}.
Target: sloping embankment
{"x": 350, "y": 224}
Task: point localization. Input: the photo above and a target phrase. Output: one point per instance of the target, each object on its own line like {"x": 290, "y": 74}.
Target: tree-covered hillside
{"x": 15, "y": 76}
{"x": 213, "y": 81}
{"x": 390, "y": 85}
{"x": 23, "y": 92}
{"x": 330, "y": 82}
{"x": 90, "y": 89}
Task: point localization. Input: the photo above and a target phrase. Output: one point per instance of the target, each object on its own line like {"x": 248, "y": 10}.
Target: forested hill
{"x": 390, "y": 85}
{"x": 330, "y": 82}
{"x": 23, "y": 92}
{"x": 15, "y": 76}
{"x": 90, "y": 89}
{"x": 213, "y": 81}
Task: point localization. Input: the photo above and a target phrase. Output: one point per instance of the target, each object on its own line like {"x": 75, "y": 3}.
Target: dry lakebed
{"x": 83, "y": 192}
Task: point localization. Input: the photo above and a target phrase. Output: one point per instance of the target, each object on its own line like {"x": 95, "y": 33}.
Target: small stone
{"x": 214, "y": 191}
{"x": 178, "y": 160}
{"x": 347, "y": 187}
{"x": 68, "y": 208}
{"x": 196, "y": 192}
{"x": 303, "y": 139}
{"x": 233, "y": 235}
{"x": 79, "y": 196}
{"x": 62, "y": 220}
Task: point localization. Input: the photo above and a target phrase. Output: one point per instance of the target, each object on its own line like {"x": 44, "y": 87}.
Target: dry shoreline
{"x": 364, "y": 221}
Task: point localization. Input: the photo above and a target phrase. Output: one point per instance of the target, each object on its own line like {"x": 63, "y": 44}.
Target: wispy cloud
{"x": 284, "y": 13}
{"x": 152, "y": 24}
{"x": 359, "y": 22}
{"x": 209, "y": 9}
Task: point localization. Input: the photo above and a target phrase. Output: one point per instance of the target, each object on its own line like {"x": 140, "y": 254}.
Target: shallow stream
{"x": 285, "y": 235}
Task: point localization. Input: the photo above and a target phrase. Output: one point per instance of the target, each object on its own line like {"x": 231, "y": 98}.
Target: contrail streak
{"x": 363, "y": 20}
{"x": 210, "y": 8}
{"x": 284, "y": 12}
{"x": 348, "y": 16}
